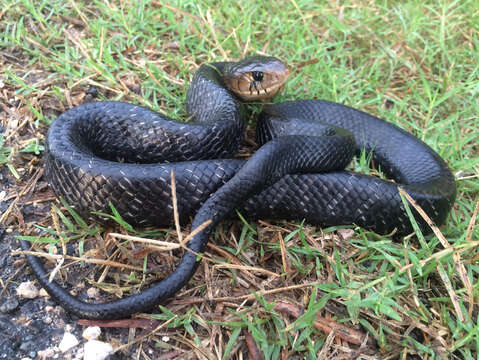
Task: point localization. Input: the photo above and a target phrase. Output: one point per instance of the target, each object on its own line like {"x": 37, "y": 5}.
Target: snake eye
{"x": 257, "y": 75}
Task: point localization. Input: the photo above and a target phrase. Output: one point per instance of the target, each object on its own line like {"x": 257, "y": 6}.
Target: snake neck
{"x": 208, "y": 100}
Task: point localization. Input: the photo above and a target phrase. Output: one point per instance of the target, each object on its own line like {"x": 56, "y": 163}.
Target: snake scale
{"x": 111, "y": 152}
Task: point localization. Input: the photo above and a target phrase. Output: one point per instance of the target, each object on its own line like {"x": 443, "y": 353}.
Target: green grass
{"x": 414, "y": 63}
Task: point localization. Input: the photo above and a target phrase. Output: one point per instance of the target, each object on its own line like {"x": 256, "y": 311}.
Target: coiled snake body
{"x": 297, "y": 173}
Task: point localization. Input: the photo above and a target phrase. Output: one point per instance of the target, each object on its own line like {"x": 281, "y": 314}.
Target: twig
{"x": 176, "y": 216}
{"x": 125, "y": 323}
{"x": 144, "y": 336}
{"x": 165, "y": 245}
{"x": 61, "y": 260}
{"x": 87, "y": 260}
{"x": 195, "y": 232}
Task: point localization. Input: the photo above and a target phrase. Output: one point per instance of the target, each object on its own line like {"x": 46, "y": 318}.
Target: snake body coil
{"x": 279, "y": 181}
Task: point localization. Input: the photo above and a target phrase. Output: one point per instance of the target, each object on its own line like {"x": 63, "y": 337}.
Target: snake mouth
{"x": 257, "y": 78}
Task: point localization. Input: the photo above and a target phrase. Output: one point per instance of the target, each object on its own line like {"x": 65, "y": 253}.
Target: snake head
{"x": 256, "y": 78}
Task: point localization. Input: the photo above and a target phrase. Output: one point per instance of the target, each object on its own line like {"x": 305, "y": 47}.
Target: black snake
{"x": 111, "y": 152}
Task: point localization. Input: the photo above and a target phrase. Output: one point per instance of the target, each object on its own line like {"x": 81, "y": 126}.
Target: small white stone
{"x": 46, "y": 354}
{"x": 96, "y": 350}
{"x": 93, "y": 293}
{"x": 165, "y": 338}
{"x": 43, "y": 293}
{"x": 79, "y": 354}
{"x": 346, "y": 234}
{"x": 69, "y": 341}
{"x": 91, "y": 333}
{"x": 27, "y": 290}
